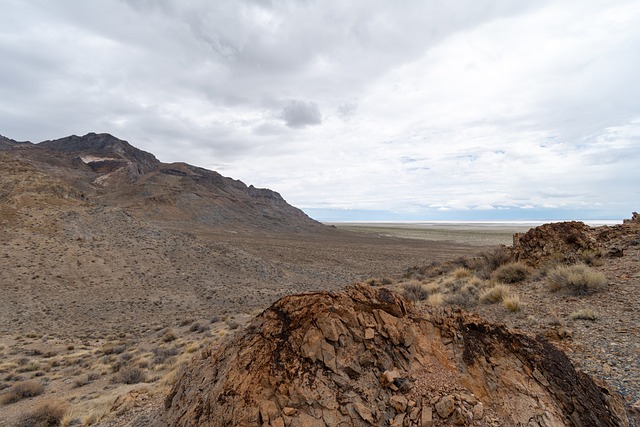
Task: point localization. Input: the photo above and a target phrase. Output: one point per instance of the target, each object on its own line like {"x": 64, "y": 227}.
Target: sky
{"x": 352, "y": 110}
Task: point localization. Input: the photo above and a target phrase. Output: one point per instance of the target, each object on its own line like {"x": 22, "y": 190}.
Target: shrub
{"x": 435, "y": 300}
{"x": 160, "y": 355}
{"x": 169, "y": 336}
{"x": 512, "y": 303}
{"x": 48, "y": 413}
{"x": 461, "y": 273}
{"x": 414, "y": 291}
{"x": 130, "y": 375}
{"x": 462, "y": 299}
{"x": 22, "y": 390}
{"x": 199, "y": 328}
{"x": 490, "y": 261}
{"x": 584, "y": 314}
{"x": 579, "y": 279}
{"x": 513, "y": 272}
{"x": 494, "y": 294}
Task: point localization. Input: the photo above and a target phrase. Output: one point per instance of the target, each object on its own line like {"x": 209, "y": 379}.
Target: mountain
{"x": 102, "y": 169}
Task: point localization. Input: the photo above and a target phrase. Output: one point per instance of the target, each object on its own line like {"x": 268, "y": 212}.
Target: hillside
{"x": 110, "y": 259}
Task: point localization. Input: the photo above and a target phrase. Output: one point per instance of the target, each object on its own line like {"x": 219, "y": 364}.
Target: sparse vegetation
{"x": 22, "y": 390}
{"x": 513, "y": 272}
{"x": 512, "y": 303}
{"x": 583, "y": 314}
{"x": 435, "y": 300}
{"x": 494, "y": 294}
{"x": 130, "y": 375}
{"x": 414, "y": 291}
{"x": 45, "y": 414}
{"x": 578, "y": 279}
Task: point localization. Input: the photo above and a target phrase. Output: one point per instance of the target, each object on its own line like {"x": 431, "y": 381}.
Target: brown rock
{"x": 289, "y": 411}
{"x": 399, "y": 403}
{"x": 369, "y": 334}
{"x": 445, "y": 406}
{"x": 426, "y": 418}
{"x": 478, "y": 411}
{"x": 284, "y": 358}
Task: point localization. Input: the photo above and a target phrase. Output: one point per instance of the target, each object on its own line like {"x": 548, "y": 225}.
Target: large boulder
{"x": 366, "y": 357}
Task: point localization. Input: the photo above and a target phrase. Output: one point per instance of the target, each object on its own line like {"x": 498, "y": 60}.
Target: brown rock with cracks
{"x": 290, "y": 365}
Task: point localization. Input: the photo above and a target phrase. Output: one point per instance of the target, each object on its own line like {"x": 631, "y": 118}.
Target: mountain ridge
{"x": 105, "y": 169}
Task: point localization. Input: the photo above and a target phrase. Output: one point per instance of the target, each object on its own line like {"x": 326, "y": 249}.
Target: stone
{"x": 458, "y": 418}
{"x": 369, "y": 334}
{"x": 426, "y": 417}
{"x": 478, "y": 411}
{"x": 469, "y": 398}
{"x": 445, "y": 406}
{"x": 289, "y": 411}
{"x": 399, "y": 403}
{"x": 268, "y": 411}
{"x": 398, "y": 420}
{"x": 278, "y": 422}
{"x": 364, "y": 412}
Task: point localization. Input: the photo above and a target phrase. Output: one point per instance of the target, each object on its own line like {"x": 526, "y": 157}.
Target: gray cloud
{"x": 298, "y": 114}
{"x": 543, "y": 94}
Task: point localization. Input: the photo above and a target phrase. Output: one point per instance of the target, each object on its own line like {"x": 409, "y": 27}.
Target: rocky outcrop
{"x": 560, "y": 241}
{"x": 365, "y": 357}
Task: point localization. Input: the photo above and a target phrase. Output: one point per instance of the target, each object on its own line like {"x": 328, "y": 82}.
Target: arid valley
{"x": 122, "y": 277}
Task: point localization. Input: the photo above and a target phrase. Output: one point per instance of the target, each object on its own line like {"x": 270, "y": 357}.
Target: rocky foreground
{"x": 366, "y": 357}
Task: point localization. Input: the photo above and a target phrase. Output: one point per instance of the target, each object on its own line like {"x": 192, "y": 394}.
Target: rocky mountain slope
{"x": 104, "y": 170}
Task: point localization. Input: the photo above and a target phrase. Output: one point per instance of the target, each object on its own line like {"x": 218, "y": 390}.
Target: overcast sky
{"x": 356, "y": 109}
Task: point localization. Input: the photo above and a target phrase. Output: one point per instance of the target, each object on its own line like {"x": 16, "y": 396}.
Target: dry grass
{"x": 22, "y": 390}
{"x": 583, "y": 314}
{"x": 578, "y": 279}
{"x": 45, "y": 414}
{"x": 494, "y": 294}
{"x": 513, "y": 272}
{"x": 130, "y": 375}
{"x": 414, "y": 291}
{"x": 435, "y": 300}
{"x": 512, "y": 303}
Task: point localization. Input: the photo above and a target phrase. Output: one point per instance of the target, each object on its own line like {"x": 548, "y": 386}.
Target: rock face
{"x": 565, "y": 240}
{"x": 574, "y": 241}
{"x": 365, "y": 357}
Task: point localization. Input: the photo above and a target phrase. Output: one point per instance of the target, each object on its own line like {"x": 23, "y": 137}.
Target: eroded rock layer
{"x": 366, "y": 357}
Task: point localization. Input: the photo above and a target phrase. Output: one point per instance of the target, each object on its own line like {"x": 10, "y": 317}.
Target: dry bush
{"x": 232, "y": 324}
{"x": 578, "y": 279}
{"x": 130, "y": 375}
{"x": 584, "y": 314}
{"x": 22, "y": 390}
{"x": 462, "y": 299}
{"x": 489, "y": 261}
{"x": 592, "y": 258}
{"x": 494, "y": 294}
{"x": 461, "y": 272}
{"x": 512, "y": 303}
{"x": 513, "y": 272}
{"x": 435, "y": 300}
{"x": 169, "y": 336}
{"x": 160, "y": 354}
{"x": 199, "y": 328}
{"x": 414, "y": 291}
{"x": 46, "y": 414}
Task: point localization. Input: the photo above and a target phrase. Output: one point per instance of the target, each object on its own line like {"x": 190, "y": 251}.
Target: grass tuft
{"x": 414, "y": 291}
{"x": 584, "y": 314}
{"x": 512, "y": 303}
{"x": 494, "y": 294}
{"x": 22, "y": 390}
{"x": 578, "y": 279}
{"x": 45, "y": 414}
{"x": 513, "y": 272}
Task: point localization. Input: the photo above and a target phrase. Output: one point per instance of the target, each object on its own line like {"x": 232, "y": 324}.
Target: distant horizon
{"x": 496, "y": 216}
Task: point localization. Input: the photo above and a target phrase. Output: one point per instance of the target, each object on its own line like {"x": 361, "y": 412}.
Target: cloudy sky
{"x": 376, "y": 109}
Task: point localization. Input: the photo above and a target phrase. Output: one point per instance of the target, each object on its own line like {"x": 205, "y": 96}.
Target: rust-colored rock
{"x": 281, "y": 371}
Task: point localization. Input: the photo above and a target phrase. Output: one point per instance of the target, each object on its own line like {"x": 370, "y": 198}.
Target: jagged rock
{"x": 286, "y": 366}
{"x": 561, "y": 241}
{"x": 445, "y": 406}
